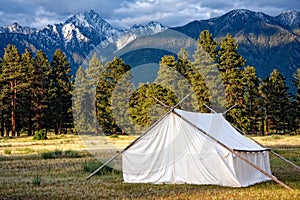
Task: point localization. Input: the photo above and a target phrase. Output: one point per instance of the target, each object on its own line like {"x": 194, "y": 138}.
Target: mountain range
{"x": 266, "y": 42}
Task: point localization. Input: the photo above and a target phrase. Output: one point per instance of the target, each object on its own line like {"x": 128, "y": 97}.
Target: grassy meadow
{"x": 57, "y": 168}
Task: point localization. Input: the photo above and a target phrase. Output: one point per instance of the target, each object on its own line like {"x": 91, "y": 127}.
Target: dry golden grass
{"x": 27, "y": 175}
{"x": 279, "y": 140}
{"x": 26, "y": 145}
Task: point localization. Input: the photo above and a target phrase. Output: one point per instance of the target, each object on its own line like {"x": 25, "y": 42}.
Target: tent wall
{"x": 246, "y": 174}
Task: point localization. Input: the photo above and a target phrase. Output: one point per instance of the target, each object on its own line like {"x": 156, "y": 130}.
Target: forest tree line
{"x": 37, "y": 93}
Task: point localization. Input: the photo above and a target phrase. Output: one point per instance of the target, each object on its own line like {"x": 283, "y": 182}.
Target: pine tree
{"x": 120, "y": 103}
{"x": 296, "y": 103}
{"x": 208, "y": 44}
{"x": 42, "y": 96}
{"x": 276, "y": 103}
{"x": 93, "y": 73}
{"x": 143, "y": 110}
{"x": 106, "y": 85}
{"x": 82, "y": 104}
{"x": 60, "y": 90}
{"x": 230, "y": 66}
{"x": 184, "y": 86}
{"x": 12, "y": 79}
{"x": 31, "y": 88}
{"x": 205, "y": 61}
{"x": 251, "y": 100}
{"x": 3, "y": 105}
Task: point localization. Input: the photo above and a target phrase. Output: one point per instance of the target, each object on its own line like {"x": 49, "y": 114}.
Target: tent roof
{"x": 219, "y": 128}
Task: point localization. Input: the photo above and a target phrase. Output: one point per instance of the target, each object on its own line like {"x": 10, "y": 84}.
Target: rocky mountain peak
{"x": 90, "y": 20}
{"x": 290, "y": 18}
{"x": 17, "y": 28}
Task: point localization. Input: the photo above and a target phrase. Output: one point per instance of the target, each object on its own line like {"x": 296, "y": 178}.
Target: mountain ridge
{"x": 265, "y": 41}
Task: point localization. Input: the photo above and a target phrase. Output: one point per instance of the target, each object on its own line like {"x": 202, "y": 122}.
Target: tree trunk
{"x": 13, "y": 109}
{"x": 267, "y": 125}
{"x": 262, "y": 127}
{"x": 2, "y": 123}
{"x": 56, "y": 128}
{"x": 96, "y": 114}
{"x": 30, "y": 126}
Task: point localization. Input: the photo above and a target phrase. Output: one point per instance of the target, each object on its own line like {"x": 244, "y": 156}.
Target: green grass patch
{"x": 36, "y": 181}
{"x": 71, "y": 154}
{"x": 94, "y": 165}
{"x": 7, "y": 151}
{"x": 114, "y": 136}
{"x": 40, "y": 135}
{"x": 59, "y": 154}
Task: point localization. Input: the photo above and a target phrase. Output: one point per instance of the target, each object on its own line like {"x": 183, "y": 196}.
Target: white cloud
{"x": 169, "y": 12}
{"x": 43, "y": 17}
{"x": 39, "y": 13}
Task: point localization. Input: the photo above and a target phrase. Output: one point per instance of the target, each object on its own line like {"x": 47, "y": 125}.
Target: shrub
{"x": 94, "y": 165}
{"x": 36, "y": 181}
{"x": 40, "y": 135}
{"x": 48, "y": 155}
{"x": 7, "y": 151}
{"x": 59, "y": 154}
{"x": 114, "y": 136}
{"x": 71, "y": 154}
{"x": 28, "y": 150}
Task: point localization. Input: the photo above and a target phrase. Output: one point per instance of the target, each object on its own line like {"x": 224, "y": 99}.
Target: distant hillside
{"x": 265, "y": 42}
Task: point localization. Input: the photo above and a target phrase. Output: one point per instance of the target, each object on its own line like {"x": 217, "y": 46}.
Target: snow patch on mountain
{"x": 129, "y": 35}
{"x": 69, "y": 30}
{"x": 290, "y": 18}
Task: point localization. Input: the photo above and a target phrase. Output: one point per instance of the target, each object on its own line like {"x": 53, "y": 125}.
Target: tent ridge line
{"x": 235, "y": 152}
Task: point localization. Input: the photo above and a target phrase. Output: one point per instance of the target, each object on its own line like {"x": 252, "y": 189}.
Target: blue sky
{"x": 39, "y": 13}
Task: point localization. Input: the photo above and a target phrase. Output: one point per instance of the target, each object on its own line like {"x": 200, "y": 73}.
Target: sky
{"x": 123, "y": 14}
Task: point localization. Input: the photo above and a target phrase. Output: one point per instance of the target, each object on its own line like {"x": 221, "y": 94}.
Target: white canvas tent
{"x": 195, "y": 148}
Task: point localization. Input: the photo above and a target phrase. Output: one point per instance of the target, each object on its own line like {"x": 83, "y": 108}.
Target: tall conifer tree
{"x": 12, "y": 77}
{"x": 230, "y": 66}
{"x": 276, "y": 103}
{"x": 60, "y": 92}
{"x": 252, "y": 110}
{"x": 93, "y": 73}
{"x": 296, "y": 114}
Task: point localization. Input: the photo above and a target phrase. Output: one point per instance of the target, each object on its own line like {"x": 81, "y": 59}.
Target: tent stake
{"x": 134, "y": 141}
{"x": 235, "y": 152}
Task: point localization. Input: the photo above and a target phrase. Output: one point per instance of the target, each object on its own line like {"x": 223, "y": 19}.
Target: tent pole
{"x": 276, "y": 154}
{"x": 235, "y": 153}
{"x": 160, "y": 102}
{"x": 224, "y": 113}
{"x": 209, "y": 108}
{"x": 134, "y": 141}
